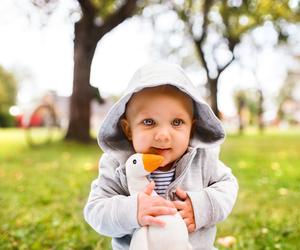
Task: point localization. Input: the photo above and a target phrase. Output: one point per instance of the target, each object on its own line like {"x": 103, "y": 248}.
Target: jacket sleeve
{"x": 109, "y": 210}
{"x": 215, "y": 202}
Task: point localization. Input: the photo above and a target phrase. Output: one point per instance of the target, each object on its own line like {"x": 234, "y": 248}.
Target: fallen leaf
{"x": 89, "y": 166}
{"x": 66, "y": 156}
{"x": 2, "y": 173}
{"x": 275, "y": 166}
{"x": 283, "y": 191}
{"x": 264, "y": 230}
{"x": 242, "y": 164}
{"x": 227, "y": 241}
{"x": 19, "y": 176}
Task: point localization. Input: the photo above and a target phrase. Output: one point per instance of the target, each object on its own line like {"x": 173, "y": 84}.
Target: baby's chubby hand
{"x": 151, "y": 206}
{"x": 185, "y": 209}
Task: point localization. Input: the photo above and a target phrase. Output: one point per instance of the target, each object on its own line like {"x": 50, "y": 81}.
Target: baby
{"x": 162, "y": 113}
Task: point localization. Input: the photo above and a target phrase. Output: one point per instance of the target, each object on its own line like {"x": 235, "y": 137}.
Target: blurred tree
{"x": 240, "y": 99}
{"x": 247, "y": 102}
{"x": 217, "y": 27}
{"x": 258, "y": 98}
{"x": 98, "y": 17}
{"x": 8, "y": 92}
{"x": 286, "y": 94}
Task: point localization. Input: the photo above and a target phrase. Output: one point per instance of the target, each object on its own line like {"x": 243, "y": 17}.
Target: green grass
{"x": 267, "y": 213}
{"x": 43, "y": 191}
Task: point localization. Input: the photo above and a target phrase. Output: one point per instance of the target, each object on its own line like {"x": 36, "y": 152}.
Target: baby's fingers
{"x": 161, "y": 210}
{"x": 191, "y": 228}
{"x": 180, "y": 205}
{"x": 190, "y": 224}
{"x": 159, "y": 201}
{"x": 181, "y": 193}
{"x": 149, "y": 188}
{"x": 148, "y": 220}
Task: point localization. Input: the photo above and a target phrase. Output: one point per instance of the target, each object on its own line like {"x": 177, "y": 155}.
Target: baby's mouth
{"x": 160, "y": 150}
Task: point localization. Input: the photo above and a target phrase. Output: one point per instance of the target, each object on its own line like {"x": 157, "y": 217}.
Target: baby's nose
{"x": 162, "y": 135}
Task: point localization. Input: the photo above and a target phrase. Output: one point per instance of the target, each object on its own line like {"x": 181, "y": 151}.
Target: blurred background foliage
{"x": 213, "y": 33}
{"x": 8, "y": 93}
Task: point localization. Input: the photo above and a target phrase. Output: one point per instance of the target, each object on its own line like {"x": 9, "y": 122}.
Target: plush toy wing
{"x": 139, "y": 240}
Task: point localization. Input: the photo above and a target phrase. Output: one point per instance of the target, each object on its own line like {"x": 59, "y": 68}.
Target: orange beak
{"x": 152, "y": 162}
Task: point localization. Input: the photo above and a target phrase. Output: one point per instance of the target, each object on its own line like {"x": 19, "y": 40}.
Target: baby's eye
{"x": 148, "y": 122}
{"x": 177, "y": 122}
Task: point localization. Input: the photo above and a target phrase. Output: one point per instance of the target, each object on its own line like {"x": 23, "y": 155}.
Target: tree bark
{"x": 84, "y": 47}
{"x": 241, "y": 105}
{"x": 87, "y": 35}
{"x": 260, "y": 112}
{"x": 212, "y": 83}
{"x": 213, "y": 88}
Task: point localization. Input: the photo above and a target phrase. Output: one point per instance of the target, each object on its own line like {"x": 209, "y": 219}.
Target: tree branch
{"x": 231, "y": 46}
{"x": 202, "y": 57}
{"x": 125, "y": 11}
{"x": 87, "y": 8}
{"x": 220, "y": 70}
{"x": 207, "y": 6}
{"x": 200, "y": 41}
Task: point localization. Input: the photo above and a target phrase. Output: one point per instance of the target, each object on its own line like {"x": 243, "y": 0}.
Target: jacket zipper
{"x": 181, "y": 175}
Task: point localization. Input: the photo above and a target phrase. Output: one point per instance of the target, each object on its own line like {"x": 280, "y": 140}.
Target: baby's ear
{"x": 194, "y": 124}
{"x": 126, "y": 128}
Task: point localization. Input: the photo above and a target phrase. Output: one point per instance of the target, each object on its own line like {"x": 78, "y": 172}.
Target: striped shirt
{"x": 162, "y": 180}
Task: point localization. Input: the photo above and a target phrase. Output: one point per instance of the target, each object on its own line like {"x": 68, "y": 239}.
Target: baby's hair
{"x": 165, "y": 88}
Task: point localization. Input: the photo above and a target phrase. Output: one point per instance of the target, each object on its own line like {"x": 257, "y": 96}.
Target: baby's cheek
{"x": 184, "y": 142}
{"x": 140, "y": 144}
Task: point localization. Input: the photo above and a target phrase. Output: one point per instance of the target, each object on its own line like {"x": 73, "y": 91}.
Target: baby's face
{"x": 160, "y": 123}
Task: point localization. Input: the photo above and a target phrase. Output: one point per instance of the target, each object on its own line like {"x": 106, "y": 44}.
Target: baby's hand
{"x": 185, "y": 209}
{"x": 151, "y": 206}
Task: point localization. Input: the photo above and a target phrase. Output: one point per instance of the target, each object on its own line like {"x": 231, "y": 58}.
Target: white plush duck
{"x": 174, "y": 235}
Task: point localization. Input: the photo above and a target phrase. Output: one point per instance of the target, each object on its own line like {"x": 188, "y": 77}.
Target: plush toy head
{"x": 140, "y": 165}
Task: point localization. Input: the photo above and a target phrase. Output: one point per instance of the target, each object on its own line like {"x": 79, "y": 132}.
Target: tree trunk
{"x": 260, "y": 112}
{"x": 84, "y": 47}
{"x": 87, "y": 35}
{"x": 241, "y": 105}
{"x": 213, "y": 88}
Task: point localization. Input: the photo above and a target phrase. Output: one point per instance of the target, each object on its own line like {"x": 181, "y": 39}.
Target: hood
{"x": 208, "y": 131}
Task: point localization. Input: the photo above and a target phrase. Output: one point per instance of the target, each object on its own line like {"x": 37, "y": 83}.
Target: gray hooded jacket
{"x": 212, "y": 188}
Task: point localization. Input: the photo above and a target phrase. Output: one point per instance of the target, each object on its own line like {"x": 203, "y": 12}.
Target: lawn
{"x": 44, "y": 189}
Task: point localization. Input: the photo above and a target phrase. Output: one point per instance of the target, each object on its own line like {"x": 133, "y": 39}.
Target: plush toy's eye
{"x": 134, "y": 161}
